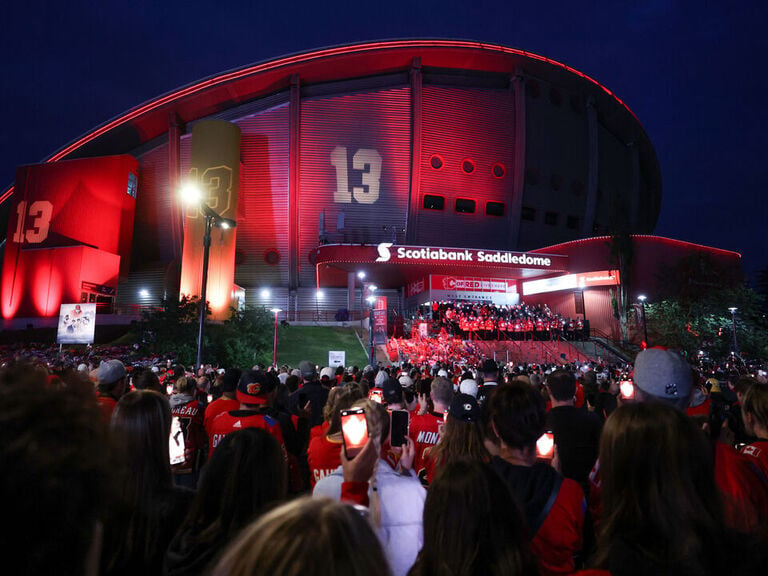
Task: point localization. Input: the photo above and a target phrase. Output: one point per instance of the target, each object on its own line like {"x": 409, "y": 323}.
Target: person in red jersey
{"x": 324, "y": 452}
{"x": 112, "y": 378}
{"x": 425, "y": 428}
{"x": 189, "y": 412}
{"x": 255, "y": 392}
{"x": 754, "y": 411}
{"x": 227, "y": 402}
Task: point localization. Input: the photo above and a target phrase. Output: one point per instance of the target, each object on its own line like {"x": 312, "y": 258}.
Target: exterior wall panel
{"x": 355, "y": 162}
{"x": 466, "y": 126}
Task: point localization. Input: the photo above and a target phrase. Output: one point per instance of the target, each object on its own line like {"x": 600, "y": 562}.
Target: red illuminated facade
{"x": 434, "y": 143}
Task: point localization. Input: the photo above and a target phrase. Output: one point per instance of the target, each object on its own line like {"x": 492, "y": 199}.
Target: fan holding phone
{"x": 398, "y": 494}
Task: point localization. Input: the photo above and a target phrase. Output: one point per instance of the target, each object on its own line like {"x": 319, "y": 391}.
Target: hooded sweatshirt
{"x": 557, "y": 536}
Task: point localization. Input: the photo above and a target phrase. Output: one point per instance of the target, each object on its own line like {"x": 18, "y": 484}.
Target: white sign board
{"x": 77, "y": 323}
{"x": 336, "y": 358}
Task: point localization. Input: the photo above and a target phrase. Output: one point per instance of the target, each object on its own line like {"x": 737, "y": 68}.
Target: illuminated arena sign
{"x": 421, "y": 254}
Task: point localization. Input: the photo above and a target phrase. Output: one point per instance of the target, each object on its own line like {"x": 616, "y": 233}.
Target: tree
{"x": 172, "y": 328}
{"x": 692, "y": 312}
{"x": 243, "y": 340}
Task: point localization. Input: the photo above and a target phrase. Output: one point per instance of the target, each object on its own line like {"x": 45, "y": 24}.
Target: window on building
{"x": 465, "y": 206}
{"x": 433, "y": 202}
{"x": 494, "y": 209}
{"x": 550, "y": 218}
{"x": 528, "y": 213}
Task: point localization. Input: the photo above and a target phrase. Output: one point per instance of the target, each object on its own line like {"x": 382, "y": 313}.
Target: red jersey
{"x": 228, "y": 422}
{"x": 757, "y": 454}
{"x": 190, "y": 417}
{"x": 323, "y": 457}
{"x": 107, "y": 406}
{"x": 425, "y": 433}
{"x": 318, "y": 430}
{"x": 215, "y": 408}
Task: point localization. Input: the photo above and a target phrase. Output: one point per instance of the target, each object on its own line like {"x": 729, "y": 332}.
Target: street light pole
{"x": 642, "y": 299}
{"x": 192, "y": 194}
{"x": 372, "y": 354}
{"x": 275, "y": 311}
{"x": 203, "y": 288}
{"x": 732, "y": 310}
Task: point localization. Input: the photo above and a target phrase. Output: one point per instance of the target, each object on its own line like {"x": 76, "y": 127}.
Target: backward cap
{"x": 663, "y": 374}
{"x": 111, "y": 371}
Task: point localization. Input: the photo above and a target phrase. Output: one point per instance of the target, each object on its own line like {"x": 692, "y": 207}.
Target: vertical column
{"x": 412, "y": 218}
{"x": 592, "y": 170}
{"x": 294, "y": 127}
{"x": 175, "y": 129}
{"x": 517, "y": 85}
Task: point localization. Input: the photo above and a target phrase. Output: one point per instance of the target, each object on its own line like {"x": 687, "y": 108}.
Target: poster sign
{"x": 380, "y": 320}
{"x": 336, "y": 358}
{"x": 77, "y": 323}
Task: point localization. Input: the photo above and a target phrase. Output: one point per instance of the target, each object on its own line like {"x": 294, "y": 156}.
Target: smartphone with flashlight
{"x": 398, "y": 429}
{"x": 545, "y": 446}
{"x": 354, "y": 431}
{"x": 627, "y": 390}
{"x": 176, "y": 445}
{"x": 376, "y": 395}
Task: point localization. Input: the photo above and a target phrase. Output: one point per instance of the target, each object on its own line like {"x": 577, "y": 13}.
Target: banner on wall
{"x": 380, "y": 320}
{"x": 77, "y": 323}
{"x": 215, "y": 168}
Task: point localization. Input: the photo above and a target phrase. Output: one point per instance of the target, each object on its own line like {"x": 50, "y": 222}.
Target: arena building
{"x": 437, "y": 168}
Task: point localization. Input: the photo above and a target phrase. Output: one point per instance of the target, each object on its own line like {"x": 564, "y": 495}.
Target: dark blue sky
{"x": 694, "y": 73}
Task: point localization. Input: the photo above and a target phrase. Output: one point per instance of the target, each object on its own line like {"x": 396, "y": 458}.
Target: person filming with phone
{"x": 395, "y": 494}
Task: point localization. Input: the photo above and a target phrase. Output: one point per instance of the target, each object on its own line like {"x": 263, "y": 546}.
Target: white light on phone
{"x": 545, "y": 444}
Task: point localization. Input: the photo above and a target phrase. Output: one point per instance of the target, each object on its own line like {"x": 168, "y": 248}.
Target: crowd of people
{"x": 469, "y": 320}
{"x": 649, "y": 468}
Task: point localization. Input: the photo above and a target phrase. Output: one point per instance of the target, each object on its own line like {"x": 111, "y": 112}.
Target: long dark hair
{"x": 245, "y": 476}
{"x": 140, "y": 427}
{"x": 472, "y": 525}
{"x": 659, "y": 492}
{"x": 459, "y": 440}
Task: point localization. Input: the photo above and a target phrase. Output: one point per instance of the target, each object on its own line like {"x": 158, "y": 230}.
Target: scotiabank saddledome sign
{"x": 387, "y": 252}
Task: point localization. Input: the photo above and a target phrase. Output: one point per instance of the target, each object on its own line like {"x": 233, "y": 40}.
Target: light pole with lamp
{"x": 192, "y": 195}
{"x": 275, "y": 311}
{"x": 643, "y": 298}
{"x": 371, "y": 301}
{"x": 732, "y": 310}
{"x": 361, "y": 277}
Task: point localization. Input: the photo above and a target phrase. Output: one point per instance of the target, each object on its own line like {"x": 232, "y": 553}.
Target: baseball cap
{"x": 307, "y": 369}
{"x": 110, "y": 371}
{"x": 327, "y": 372}
{"x": 392, "y": 391}
{"x": 254, "y": 387}
{"x": 465, "y": 408}
{"x": 468, "y": 387}
{"x": 405, "y": 381}
{"x": 663, "y": 374}
{"x": 442, "y": 373}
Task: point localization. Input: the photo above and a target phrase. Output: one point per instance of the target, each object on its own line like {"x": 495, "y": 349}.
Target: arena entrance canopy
{"x": 390, "y": 265}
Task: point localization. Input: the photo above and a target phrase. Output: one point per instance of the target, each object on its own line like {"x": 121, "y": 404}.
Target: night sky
{"x": 695, "y": 76}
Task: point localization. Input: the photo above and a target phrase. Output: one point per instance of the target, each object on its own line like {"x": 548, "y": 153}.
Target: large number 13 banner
{"x": 70, "y": 223}
{"x": 215, "y": 168}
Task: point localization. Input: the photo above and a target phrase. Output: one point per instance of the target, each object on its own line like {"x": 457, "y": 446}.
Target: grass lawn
{"x": 297, "y": 343}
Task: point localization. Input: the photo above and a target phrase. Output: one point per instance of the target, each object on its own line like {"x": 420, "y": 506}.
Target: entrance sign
{"x": 387, "y": 252}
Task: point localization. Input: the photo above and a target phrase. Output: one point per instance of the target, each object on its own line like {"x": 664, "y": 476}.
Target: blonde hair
{"x": 306, "y": 537}
{"x": 755, "y": 402}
